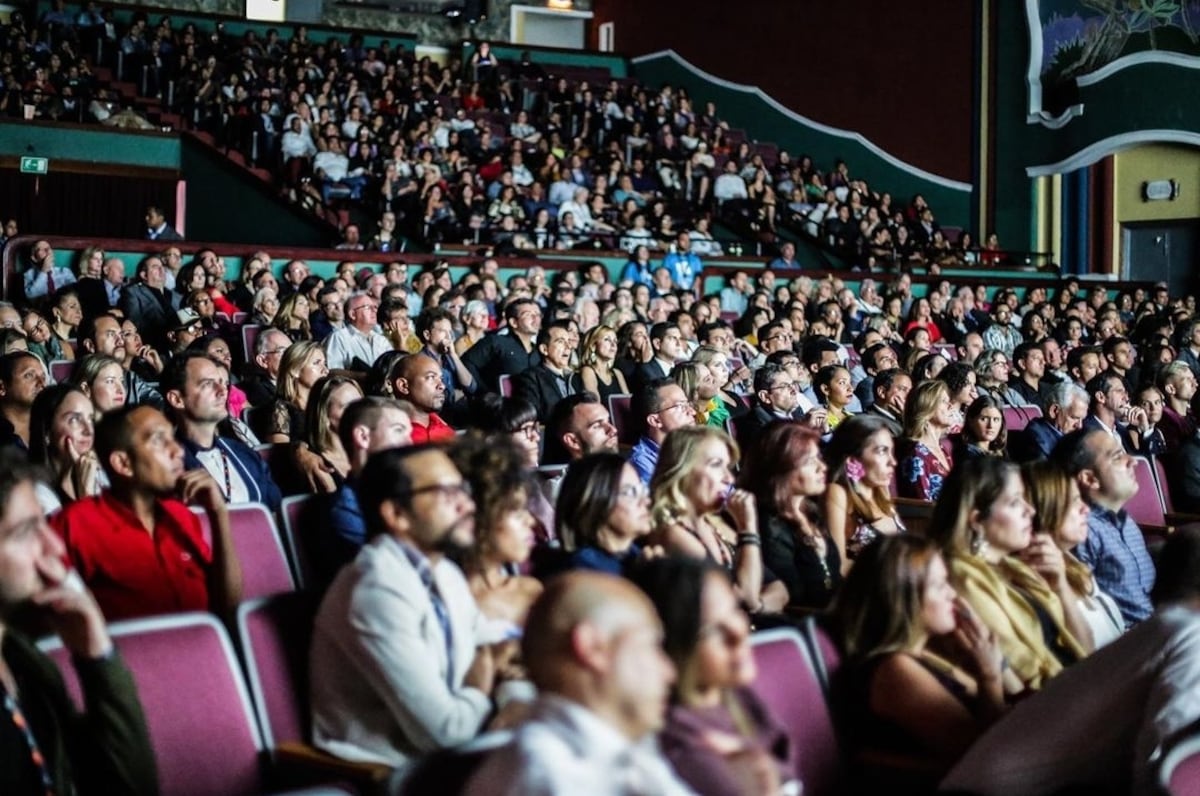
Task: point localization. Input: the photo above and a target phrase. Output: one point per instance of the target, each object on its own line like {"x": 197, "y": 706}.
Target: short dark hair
{"x": 884, "y": 379}
{"x": 1072, "y": 454}
{"x": 553, "y": 451}
{"x": 765, "y": 375}
{"x": 659, "y": 330}
{"x": 513, "y": 308}
{"x": 386, "y": 477}
{"x": 868, "y": 356}
{"x": 174, "y": 375}
{"x": 543, "y": 337}
{"x": 814, "y": 347}
{"x": 114, "y": 432}
{"x": 648, "y": 401}
{"x": 500, "y": 415}
{"x": 428, "y": 317}
{"x": 8, "y": 363}
{"x": 1075, "y": 355}
{"x": 14, "y": 471}
{"x": 363, "y": 412}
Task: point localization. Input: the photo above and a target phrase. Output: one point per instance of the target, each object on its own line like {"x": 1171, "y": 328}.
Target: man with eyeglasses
{"x": 661, "y": 406}
{"x": 357, "y": 345}
{"x": 777, "y": 398}
{"x": 104, "y": 335}
{"x": 330, "y": 315}
{"x": 396, "y": 669}
{"x": 418, "y": 379}
{"x": 186, "y": 328}
{"x": 261, "y": 377}
{"x": 551, "y": 380}
{"x": 508, "y": 351}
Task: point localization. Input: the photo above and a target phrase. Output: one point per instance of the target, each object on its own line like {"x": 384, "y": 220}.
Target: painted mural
{"x": 1075, "y": 43}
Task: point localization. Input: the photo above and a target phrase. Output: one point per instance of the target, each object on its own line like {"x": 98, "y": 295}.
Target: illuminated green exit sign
{"x": 35, "y": 165}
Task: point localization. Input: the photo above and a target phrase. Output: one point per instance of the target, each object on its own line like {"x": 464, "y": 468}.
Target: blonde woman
{"x": 697, "y": 512}
{"x": 984, "y": 527}
{"x": 858, "y": 508}
{"x": 728, "y": 405}
{"x": 598, "y": 371}
{"x": 300, "y": 368}
{"x": 1061, "y": 515}
{"x": 697, "y": 383}
{"x": 924, "y": 463}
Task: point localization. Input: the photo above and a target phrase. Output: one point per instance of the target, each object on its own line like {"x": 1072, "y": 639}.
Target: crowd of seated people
{"x": 505, "y": 154}
{"x": 485, "y": 458}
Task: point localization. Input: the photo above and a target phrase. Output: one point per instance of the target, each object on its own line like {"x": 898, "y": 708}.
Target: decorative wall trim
{"x": 838, "y": 132}
{"x": 1111, "y": 145}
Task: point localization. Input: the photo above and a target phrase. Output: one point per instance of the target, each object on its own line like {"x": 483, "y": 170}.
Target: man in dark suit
{"x": 776, "y": 399}
{"x": 667, "y": 343}
{"x": 891, "y": 388}
{"x": 551, "y": 380}
{"x": 157, "y": 227}
{"x": 510, "y": 350}
{"x": 1066, "y": 407}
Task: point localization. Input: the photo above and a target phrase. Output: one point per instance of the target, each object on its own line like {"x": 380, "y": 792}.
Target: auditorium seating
{"x": 1179, "y": 773}
{"x": 259, "y": 548}
{"x": 620, "y": 409}
{"x": 197, "y": 707}
{"x": 1016, "y": 418}
{"x": 788, "y": 682}
{"x": 1145, "y": 507}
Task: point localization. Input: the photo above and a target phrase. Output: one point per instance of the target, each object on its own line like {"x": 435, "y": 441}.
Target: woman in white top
{"x": 1062, "y": 515}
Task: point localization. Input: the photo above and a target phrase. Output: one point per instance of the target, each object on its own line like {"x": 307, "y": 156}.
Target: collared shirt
{"x": 131, "y": 571}
{"x": 37, "y": 282}
{"x": 436, "y": 430}
{"x": 644, "y": 458}
{"x": 1115, "y": 550}
{"x": 347, "y": 344}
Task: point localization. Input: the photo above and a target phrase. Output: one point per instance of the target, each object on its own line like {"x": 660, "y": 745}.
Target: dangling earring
{"x": 979, "y": 542}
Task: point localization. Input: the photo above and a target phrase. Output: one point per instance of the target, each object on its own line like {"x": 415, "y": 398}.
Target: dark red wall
{"x": 900, "y": 73}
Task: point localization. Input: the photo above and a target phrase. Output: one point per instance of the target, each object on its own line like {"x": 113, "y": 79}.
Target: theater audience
{"x": 698, "y": 513}
{"x": 923, "y": 675}
{"x": 136, "y": 544}
{"x": 99, "y": 744}
{"x": 861, "y": 461}
{"x": 924, "y": 462}
{"x": 720, "y": 737}
{"x": 593, "y": 646}
{"x": 785, "y": 473}
{"x": 1061, "y": 514}
{"x": 396, "y": 670}
{"x": 1114, "y": 549}
{"x": 61, "y": 440}
{"x": 1012, "y": 579}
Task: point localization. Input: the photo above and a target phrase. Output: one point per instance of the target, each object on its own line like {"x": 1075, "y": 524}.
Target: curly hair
{"x": 500, "y": 483}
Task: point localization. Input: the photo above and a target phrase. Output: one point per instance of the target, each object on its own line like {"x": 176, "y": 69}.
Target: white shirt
{"x": 348, "y": 343}
{"x": 729, "y": 186}
{"x": 334, "y": 165}
{"x": 229, "y": 480}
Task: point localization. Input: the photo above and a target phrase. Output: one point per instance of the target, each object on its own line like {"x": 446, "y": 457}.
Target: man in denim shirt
{"x": 1114, "y": 549}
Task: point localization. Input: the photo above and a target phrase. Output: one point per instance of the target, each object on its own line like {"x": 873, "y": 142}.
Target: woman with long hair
{"x": 786, "y": 474}
{"x": 715, "y": 725}
{"x": 605, "y": 516}
{"x": 984, "y": 528}
{"x": 858, "y": 506}
{"x": 102, "y": 379}
{"x": 697, "y": 383}
{"x": 61, "y": 439}
{"x": 42, "y": 341}
{"x": 835, "y": 390}
{"x": 922, "y": 676}
{"x": 727, "y": 404}
{"x": 698, "y": 513}
{"x": 598, "y": 364}
{"x": 330, "y": 397}
{"x": 960, "y": 380}
{"x": 516, "y": 419}
{"x": 924, "y": 463}
{"x": 983, "y": 431}
{"x": 292, "y": 317}
{"x": 301, "y": 366}
{"x": 1061, "y": 514}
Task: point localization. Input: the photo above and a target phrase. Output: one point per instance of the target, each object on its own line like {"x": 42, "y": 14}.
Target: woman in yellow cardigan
{"x": 1012, "y": 579}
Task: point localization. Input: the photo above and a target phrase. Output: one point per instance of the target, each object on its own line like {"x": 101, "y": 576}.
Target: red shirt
{"x": 131, "y": 572}
{"x": 436, "y": 431}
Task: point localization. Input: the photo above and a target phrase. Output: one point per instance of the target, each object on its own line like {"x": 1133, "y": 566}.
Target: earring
{"x": 979, "y": 543}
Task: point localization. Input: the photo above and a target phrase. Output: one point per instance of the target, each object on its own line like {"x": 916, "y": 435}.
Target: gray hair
{"x": 1065, "y": 393}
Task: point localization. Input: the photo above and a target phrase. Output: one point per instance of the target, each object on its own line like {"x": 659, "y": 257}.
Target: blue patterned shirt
{"x": 1116, "y": 553}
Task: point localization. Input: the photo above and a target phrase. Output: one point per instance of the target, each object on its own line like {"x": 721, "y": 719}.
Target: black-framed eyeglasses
{"x": 445, "y": 490}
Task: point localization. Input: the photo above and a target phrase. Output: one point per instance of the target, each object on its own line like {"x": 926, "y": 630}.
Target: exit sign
{"x": 35, "y": 165}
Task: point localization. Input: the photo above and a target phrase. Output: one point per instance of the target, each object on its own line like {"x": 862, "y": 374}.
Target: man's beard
{"x": 448, "y": 543}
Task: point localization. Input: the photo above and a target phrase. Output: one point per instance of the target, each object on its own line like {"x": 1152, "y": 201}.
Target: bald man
{"x": 593, "y": 647}
{"x": 418, "y": 379}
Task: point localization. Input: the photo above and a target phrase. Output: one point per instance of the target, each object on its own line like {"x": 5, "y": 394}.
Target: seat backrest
{"x": 61, "y": 370}
{"x": 1017, "y": 417}
{"x": 197, "y": 707}
{"x": 274, "y": 634}
{"x": 1164, "y": 486}
{"x": 914, "y": 513}
{"x": 506, "y": 385}
{"x": 1179, "y": 774}
{"x": 620, "y": 409}
{"x": 249, "y": 335}
{"x": 256, "y": 541}
{"x": 826, "y": 655}
{"x": 294, "y": 511}
{"x": 787, "y": 682}
{"x": 1145, "y": 507}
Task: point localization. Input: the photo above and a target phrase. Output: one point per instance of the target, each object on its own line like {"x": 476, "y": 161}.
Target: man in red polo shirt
{"x": 418, "y": 379}
{"x": 136, "y": 545}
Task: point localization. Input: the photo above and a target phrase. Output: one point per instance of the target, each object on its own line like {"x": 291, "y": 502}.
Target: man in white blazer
{"x": 395, "y": 671}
